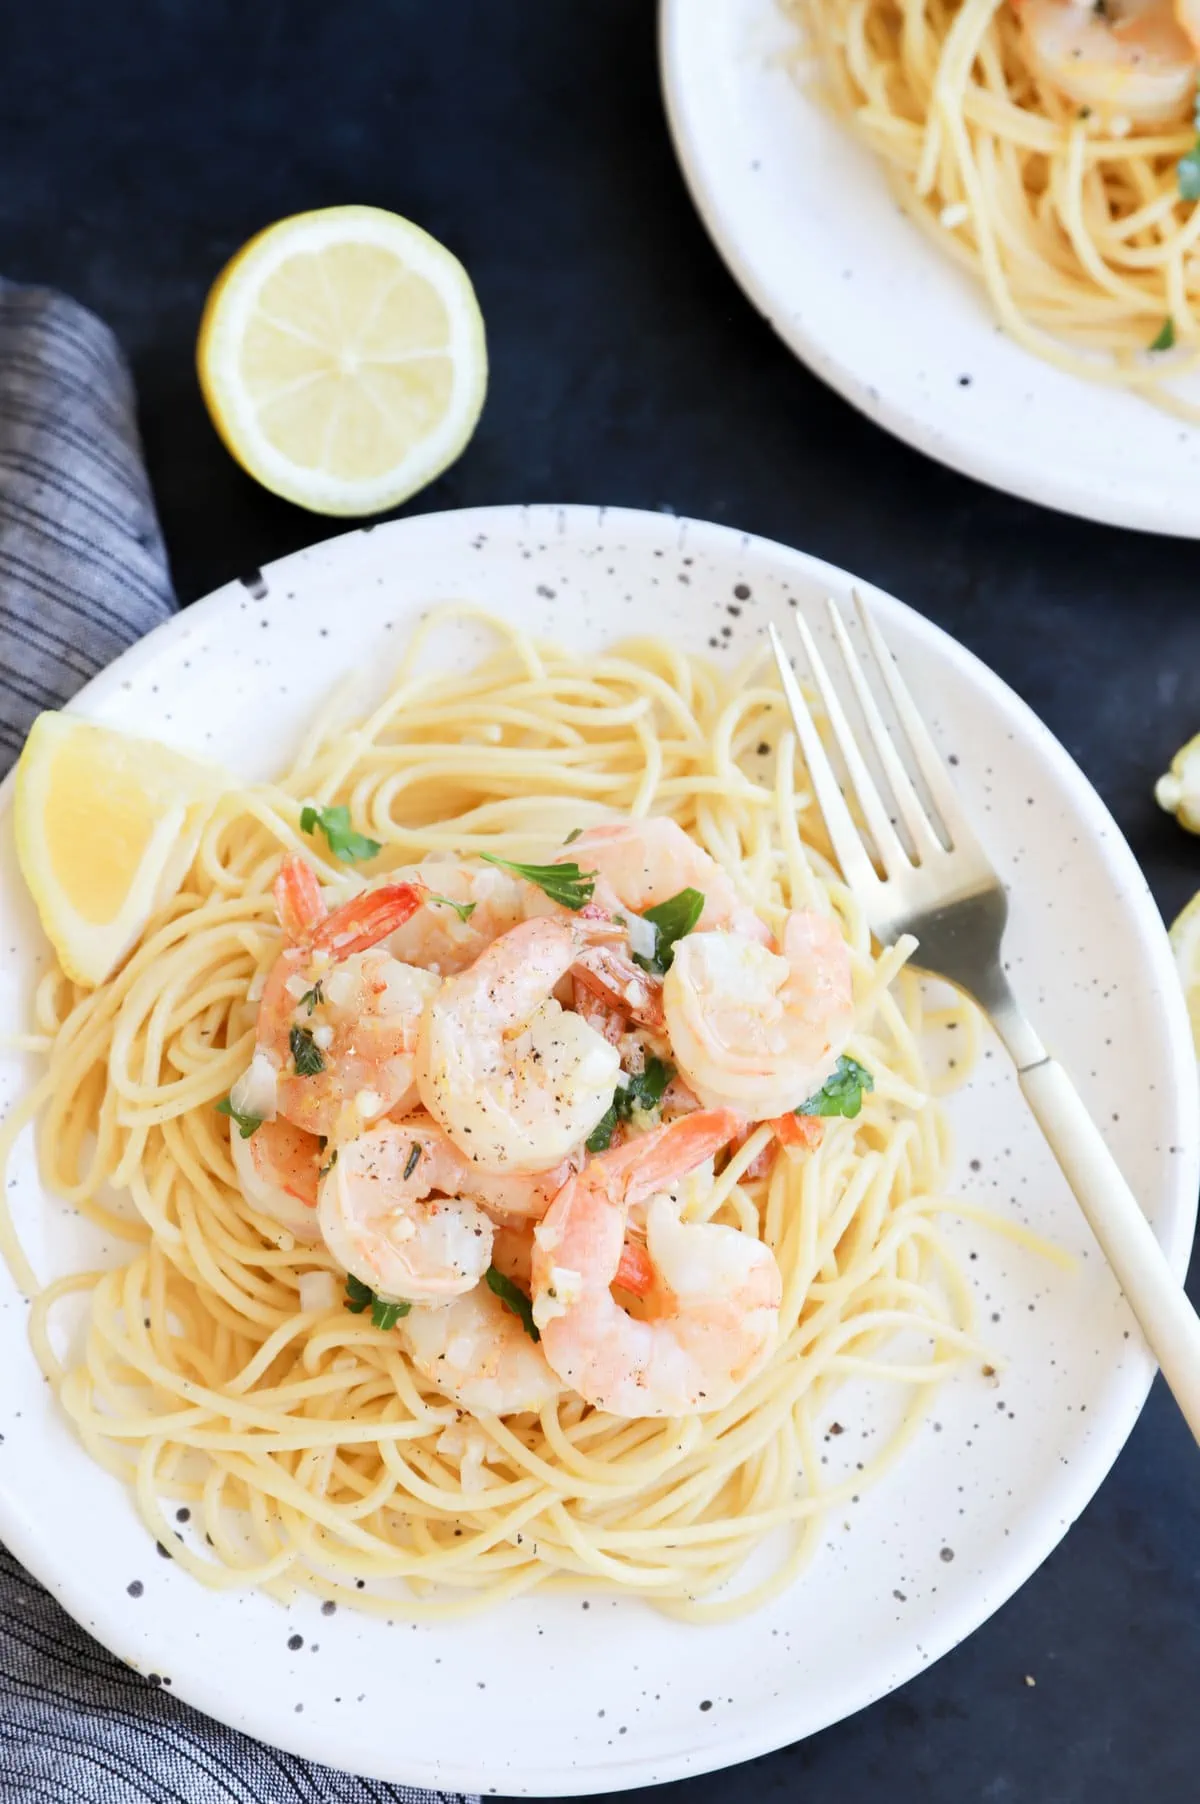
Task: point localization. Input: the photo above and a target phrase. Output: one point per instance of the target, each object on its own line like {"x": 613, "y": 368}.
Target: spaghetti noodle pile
{"x": 1079, "y": 222}
{"x": 309, "y": 1449}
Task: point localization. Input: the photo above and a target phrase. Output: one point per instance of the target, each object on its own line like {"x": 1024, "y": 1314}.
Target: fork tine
{"x": 887, "y": 842}
{"x": 908, "y": 802}
{"x": 857, "y": 868}
{"x": 928, "y": 758}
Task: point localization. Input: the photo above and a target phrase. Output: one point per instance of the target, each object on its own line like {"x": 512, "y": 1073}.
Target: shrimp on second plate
{"x": 717, "y": 1290}
{"x": 379, "y": 1217}
{"x": 478, "y": 1354}
{"x": 338, "y": 1017}
{"x": 1121, "y": 57}
{"x": 642, "y": 863}
{"x": 516, "y": 1080}
{"x": 756, "y": 1030}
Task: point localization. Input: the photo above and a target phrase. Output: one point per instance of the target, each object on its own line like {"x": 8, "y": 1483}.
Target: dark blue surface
{"x": 140, "y": 145}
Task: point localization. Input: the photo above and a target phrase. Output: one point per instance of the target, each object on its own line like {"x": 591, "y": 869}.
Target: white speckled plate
{"x": 578, "y": 1694}
{"x": 803, "y": 216}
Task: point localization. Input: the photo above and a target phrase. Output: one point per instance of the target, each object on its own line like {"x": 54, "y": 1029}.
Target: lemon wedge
{"x": 342, "y": 358}
{"x": 1185, "y": 941}
{"x": 106, "y": 827}
{"x": 1178, "y": 791}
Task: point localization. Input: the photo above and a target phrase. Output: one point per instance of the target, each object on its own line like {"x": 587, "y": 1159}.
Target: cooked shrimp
{"x": 379, "y": 1218}
{"x": 757, "y": 1030}
{"x": 644, "y": 862}
{"x": 513, "y": 1077}
{"x": 1129, "y": 57}
{"x": 1188, "y": 14}
{"x": 718, "y": 1290}
{"x": 437, "y": 937}
{"x": 337, "y": 999}
{"x": 277, "y": 1169}
{"x": 478, "y": 1354}
{"x": 627, "y": 992}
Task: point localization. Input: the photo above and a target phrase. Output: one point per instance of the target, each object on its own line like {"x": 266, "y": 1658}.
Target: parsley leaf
{"x": 671, "y": 919}
{"x": 386, "y": 1315}
{"x": 643, "y": 1092}
{"x": 334, "y": 823}
{"x": 563, "y": 883}
{"x": 513, "y": 1299}
{"x": 600, "y": 1138}
{"x": 246, "y": 1124}
{"x": 464, "y": 910}
{"x": 1188, "y": 172}
{"x": 360, "y": 1296}
{"x": 1188, "y": 167}
{"x": 842, "y": 1093}
{"x": 572, "y": 836}
{"x": 312, "y": 998}
{"x": 306, "y": 1054}
{"x": 1166, "y": 336}
{"x": 414, "y": 1155}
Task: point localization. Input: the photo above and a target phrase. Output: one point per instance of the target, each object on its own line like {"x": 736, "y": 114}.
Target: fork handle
{"x": 1168, "y": 1321}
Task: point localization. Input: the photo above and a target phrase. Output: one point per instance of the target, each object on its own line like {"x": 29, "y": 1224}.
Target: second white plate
{"x": 803, "y": 216}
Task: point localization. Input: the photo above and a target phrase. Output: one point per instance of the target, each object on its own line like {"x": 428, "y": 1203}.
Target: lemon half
{"x": 343, "y": 360}
{"x": 106, "y": 827}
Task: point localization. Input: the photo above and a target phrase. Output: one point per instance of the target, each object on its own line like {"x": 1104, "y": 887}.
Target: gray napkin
{"x": 83, "y": 573}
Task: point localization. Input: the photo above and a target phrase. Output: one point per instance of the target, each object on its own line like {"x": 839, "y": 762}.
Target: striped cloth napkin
{"x": 83, "y": 573}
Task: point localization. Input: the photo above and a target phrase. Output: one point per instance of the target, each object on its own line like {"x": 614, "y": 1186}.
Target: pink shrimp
{"x": 642, "y": 863}
{"x": 757, "y": 1030}
{"x": 516, "y": 1080}
{"x": 718, "y": 1290}
{"x": 338, "y": 1017}
{"x": 278, "y": 1168}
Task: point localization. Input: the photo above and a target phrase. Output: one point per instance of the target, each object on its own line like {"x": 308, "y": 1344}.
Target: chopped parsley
{"x": 1166, "y": 336}
{"x": 600, "y": 1138}
{"x": 343, "y": 841}
{"x": 563, "y": 883}
{"x": 572, "y": 836}
{"x": 842, "y": 1093}
{"x": 306, "y": 1054}
{"x": 359, "y": 1297}
{"x": 464, "y": 910}
{"x": 313, "y": 998}
{"x": 414, "y": 1155}
{"x": 246, "y": 1124}
{"x": 1187, "y": 169}
{"x": 513, "y": 1298}
{"x": 643, "y": 1092}
{"x": 671, "y": 920}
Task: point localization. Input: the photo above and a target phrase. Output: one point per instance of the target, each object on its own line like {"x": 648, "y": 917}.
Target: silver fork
{"x": 951, "y": 899}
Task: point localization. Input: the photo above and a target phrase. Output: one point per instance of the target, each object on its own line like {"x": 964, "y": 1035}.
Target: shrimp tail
{"x": 635, "y": 1272}
{"x": 365, "y": 920}
{"x": 652, "y": 1162}
{"x": 298, "y": 899}
{"x": 616, "y": 980}
{"x": 798, "y": 1133}
{"x": 608, "y": 1022}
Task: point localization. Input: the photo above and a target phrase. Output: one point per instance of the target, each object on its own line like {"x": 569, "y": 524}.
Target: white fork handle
{"x": 1168, "y": 1321}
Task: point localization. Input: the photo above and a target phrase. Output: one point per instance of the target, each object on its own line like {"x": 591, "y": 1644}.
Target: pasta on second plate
{"x": 1052, "y": 147}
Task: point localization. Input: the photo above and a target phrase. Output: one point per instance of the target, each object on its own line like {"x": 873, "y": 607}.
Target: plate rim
{"x": 302, "y": 1736}
{"x": 1003, "y": 473}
